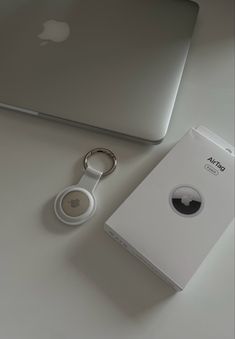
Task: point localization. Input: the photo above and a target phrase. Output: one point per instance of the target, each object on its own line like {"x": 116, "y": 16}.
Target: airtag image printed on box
{"x": 186, "y": 201}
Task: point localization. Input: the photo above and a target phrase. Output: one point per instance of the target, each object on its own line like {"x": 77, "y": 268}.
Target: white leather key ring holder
{"x": 76, "y": 204}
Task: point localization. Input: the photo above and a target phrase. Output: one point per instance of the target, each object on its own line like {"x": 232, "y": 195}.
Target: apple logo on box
{"x": 55, "y": 31}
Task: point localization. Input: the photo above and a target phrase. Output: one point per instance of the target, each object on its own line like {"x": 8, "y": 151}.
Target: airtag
{"x": 186, "y": 201}
{"x": 76, "y": 204}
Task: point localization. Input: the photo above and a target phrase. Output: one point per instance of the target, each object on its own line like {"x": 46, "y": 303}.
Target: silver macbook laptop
{"x": 113, "y": 65}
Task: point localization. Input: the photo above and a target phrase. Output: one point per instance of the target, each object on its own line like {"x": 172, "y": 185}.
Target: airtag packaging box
{"x": 176, "y": 215}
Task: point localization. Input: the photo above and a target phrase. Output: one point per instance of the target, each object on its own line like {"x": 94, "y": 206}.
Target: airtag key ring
{"x": 105, "y": 151}
{"x": 76, "y": 204}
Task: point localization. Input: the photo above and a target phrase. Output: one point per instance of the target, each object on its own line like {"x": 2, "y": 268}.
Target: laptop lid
{"x": 109, "y": 64}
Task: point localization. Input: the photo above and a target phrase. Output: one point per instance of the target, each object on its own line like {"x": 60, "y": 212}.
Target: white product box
{"x": 175, "y": 216}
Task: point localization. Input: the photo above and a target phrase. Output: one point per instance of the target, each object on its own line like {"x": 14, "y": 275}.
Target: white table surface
{"x": 63, "y": 283}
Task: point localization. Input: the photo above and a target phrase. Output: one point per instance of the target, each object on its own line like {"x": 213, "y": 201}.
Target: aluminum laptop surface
{"x": 115, "y": 65}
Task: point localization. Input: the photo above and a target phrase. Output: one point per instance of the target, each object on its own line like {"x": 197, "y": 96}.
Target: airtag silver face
{"x": 75, "y": 203}
{"x": 186, "y": 201}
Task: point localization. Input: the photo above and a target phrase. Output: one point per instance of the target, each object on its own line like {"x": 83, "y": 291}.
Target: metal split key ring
{"x": 105, "y": 151}
{"x": 76, "y": 204}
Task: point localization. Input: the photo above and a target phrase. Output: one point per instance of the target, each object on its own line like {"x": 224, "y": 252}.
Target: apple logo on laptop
{"x": 54, "y": 31}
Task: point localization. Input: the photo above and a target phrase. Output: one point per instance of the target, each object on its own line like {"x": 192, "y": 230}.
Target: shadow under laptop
{"x": 119, "y": 276}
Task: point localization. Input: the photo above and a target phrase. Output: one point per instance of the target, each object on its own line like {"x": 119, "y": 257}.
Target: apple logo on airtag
{"x": 75, "y": 203}
{"x": 186, "y": 201}
{"x": 54, "y": 31}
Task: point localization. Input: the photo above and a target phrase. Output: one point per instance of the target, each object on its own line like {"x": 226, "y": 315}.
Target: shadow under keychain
{"x": 76, "y": 204}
